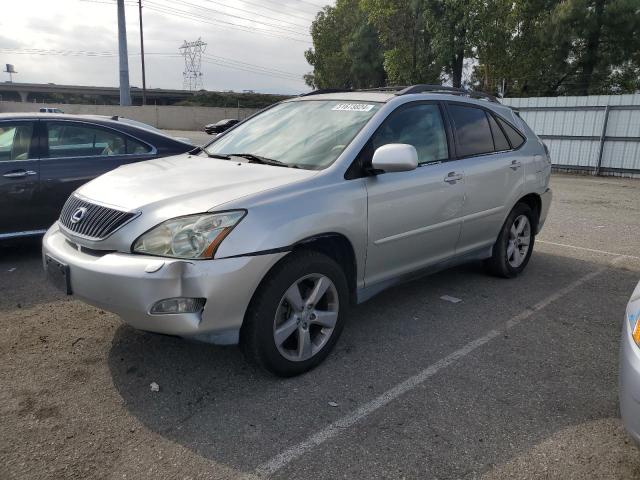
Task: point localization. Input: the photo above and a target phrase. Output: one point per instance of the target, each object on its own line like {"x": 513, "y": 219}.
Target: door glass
{"x": 68, "y": 139}
{"x": 472, "y": 130}
{"x": 15, "y": 141}
{"x": 499, "y": 139}
{"x": 417, "y": 125}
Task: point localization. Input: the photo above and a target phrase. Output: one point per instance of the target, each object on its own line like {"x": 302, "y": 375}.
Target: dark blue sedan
{"x": 44, "y": 157}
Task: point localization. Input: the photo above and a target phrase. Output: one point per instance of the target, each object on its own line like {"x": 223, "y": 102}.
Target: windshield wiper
{"x": 217, "y": 155}
{"x": 258, "y": 159}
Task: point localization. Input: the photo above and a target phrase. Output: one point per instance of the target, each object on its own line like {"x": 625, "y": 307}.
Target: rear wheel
{"x": 513, "y": 248}
{"x": 297, "y": 314}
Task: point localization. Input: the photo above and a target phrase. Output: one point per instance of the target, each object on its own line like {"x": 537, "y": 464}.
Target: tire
{"x": 278, "y": 322}
{"x": 510, "y": 255}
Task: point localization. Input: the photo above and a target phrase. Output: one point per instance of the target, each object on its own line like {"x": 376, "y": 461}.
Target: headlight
{"x": 193, "y": 236}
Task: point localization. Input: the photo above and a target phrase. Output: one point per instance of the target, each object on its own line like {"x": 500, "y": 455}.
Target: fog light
{"x": 178, "y": 305}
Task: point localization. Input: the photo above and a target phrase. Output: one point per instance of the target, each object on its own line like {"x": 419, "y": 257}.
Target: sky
{"x": 251, "y": 44}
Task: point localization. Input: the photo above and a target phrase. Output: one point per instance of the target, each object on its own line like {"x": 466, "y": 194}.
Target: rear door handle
{"x": 19, "y": 174}
{"x": 515, "y": 164}
{"x": 453, "y": 177}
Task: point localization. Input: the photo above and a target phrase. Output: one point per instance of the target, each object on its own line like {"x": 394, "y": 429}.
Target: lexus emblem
{"x": 78, "y": 215}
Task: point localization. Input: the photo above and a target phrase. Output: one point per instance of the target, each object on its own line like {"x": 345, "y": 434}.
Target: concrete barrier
{"x": 170, "y": 117}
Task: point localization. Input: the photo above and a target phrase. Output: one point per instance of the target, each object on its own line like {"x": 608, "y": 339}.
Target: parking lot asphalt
{"x": 518, "y": 380}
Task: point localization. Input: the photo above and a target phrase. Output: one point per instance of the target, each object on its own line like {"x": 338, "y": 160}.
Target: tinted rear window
{"x": 472, "y": 130}
{"x": 515, "y": 137}
{"x": 499, "y": 138}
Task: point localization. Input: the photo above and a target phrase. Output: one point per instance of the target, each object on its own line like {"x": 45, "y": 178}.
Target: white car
{"x": 630, "y": 367}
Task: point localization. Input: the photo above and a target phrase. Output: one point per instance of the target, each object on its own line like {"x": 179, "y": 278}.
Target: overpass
{"x": 29, "y": 92}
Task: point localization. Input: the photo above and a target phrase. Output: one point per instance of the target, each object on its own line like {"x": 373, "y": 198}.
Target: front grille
{"x": 97, "y": 222}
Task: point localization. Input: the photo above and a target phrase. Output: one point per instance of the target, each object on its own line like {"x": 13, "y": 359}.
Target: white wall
{"x": 168, "y": 117}
{"x": 562, "y": 121}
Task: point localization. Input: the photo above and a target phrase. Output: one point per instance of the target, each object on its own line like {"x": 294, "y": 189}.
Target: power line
{"x": 289, "y": 14}
{"x": 213, "y": 59}
{"x": 254, "y": 13}
{"x": 166, "y": 9}
{"x": 239, "y": 17}
{"x": 220, "y": 23}
{"x": 250, "y": 67}
{"x": 289, "y": 7}
{"x": 258, "y": 72}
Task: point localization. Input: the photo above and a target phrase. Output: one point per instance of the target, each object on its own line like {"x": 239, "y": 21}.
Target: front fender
{"x": 276, "y": 222}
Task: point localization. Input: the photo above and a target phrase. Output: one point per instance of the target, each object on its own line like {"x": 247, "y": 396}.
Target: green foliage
{"x": 531, "y": 47}
{"x": 232, "y": 99}
{"x": 408, "y": 54}
{"x": 346, "y": 51}
{"x": 570, "y": 47}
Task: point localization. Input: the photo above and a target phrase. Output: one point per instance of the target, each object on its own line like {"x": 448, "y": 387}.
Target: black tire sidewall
{"x": 500, "y": 261}
{"x": 258, "y": 330}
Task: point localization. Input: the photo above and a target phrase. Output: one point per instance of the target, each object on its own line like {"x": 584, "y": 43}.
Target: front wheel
{"x": 513, "y": 248}
{"x": 297, "y": 314}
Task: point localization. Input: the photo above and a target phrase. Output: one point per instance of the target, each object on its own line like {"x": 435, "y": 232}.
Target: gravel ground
{"x": 516, "y": 381}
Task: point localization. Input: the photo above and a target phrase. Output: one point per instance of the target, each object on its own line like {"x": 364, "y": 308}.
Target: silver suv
{"x": 268, "y": 234}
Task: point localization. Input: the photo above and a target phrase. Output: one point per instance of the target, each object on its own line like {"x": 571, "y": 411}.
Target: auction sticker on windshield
{"x": 353, "y": 107}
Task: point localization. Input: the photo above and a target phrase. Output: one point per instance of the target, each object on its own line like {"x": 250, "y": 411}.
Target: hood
{"x": 186, "y": 183}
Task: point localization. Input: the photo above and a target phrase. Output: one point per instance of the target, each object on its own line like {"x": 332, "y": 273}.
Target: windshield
{"x": 306, "y": 134}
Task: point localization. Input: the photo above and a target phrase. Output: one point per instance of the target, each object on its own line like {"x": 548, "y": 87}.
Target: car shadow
{"x": 215, "y": 404}
{"x": 22, "y": 280}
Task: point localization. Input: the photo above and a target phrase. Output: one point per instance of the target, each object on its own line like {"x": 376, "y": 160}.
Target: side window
{"x": 515, "y": 137}
{"x": 134, "y": 146}
{"x": 499, "y": 139}
{"x": 15, "y": 140}
{"x": 68, "y": 139}
{"x": 472, "y": 130}
{"x": 418, "y": 125}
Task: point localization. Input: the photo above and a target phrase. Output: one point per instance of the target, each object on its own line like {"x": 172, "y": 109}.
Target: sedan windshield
{"x": 305, "y": 134}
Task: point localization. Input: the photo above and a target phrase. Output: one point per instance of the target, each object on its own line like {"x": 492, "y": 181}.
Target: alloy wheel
{"x": 306, "y": 317}
{"x": 519, "y": 241}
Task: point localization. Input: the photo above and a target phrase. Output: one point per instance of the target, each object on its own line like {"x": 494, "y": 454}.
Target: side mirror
{"x": 395, "y": 157}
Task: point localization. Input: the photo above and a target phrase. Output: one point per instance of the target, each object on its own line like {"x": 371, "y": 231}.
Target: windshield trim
{"x": 203, "y": 148}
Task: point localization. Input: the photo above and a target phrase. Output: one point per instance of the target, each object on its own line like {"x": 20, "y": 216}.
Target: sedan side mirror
{"x": 395, "y": 157}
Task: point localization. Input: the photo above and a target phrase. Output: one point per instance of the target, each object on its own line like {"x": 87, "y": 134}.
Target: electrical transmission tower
{"x": 192, "y": 53}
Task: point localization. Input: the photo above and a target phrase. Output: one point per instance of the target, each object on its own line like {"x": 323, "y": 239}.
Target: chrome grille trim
{"x": 98, "y": 222}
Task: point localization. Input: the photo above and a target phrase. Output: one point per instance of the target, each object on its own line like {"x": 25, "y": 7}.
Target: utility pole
{"x": 125, "y": 94}
{"x": 144, "y": 82}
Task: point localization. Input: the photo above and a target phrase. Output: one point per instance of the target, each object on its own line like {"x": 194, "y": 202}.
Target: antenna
{"x": 10, "y": 69}
{"x": 192, "y": 53}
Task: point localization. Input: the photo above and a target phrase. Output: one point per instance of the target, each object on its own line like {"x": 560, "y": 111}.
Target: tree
{"x": 552, "y": 47}
{"x": 346, "y": 52}
{"x": 408, "y": 57}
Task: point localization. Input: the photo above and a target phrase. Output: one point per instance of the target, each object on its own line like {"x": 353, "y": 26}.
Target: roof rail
{"x": 326, "y": 90}
{"x": 420, "y": 88}
{"x": 426, "y": 88}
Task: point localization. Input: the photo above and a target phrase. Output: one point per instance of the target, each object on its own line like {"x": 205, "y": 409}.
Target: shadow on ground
{"x": 213, "y": 403}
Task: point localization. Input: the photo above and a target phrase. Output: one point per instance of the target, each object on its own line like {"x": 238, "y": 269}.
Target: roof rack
{"x": 420, "y": 88}
{"x": 426, "y": 88}
{"x": 326, "y": 90}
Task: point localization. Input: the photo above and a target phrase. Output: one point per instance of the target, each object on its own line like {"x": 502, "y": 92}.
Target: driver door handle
{"x": 19, "y": 174}
{"x": 453, "y": 177}
{"x": 515, "y": 164}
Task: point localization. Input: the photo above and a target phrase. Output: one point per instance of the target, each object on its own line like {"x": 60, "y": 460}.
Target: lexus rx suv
{"x": 267, "y": 235}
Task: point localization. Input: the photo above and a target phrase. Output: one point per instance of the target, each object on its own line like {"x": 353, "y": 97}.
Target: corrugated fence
{"x": 599, "y": 134}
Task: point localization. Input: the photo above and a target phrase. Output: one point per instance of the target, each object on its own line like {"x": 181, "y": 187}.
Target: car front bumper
{"x": 128, "y": 285}
{"x": 629, "y": 390}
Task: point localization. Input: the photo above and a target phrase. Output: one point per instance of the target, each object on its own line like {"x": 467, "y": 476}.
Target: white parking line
{"x": 283, "y": 459}
{"x": 604, "y": 252}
